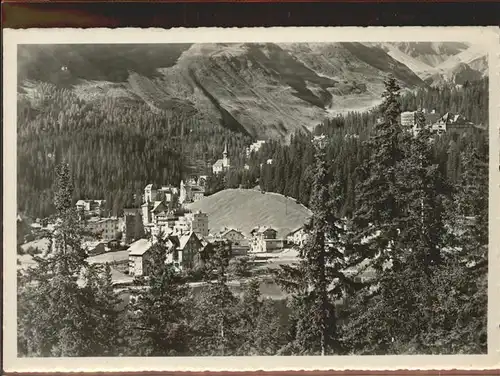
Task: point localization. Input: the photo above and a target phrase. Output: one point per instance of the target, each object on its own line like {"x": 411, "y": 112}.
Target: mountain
{"x": 440, "y": 63}
{"x": 262, "y": 90}
{"x": 429, "y": 53}
{"x": 245, "y": 209}
{"x": 468, "y": 65}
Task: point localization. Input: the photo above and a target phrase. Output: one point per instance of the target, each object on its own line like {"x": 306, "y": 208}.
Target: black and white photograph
{"x": 260, "y": 198}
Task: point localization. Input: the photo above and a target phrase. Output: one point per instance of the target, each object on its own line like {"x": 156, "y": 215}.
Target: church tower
{"x": 225, "y": 161}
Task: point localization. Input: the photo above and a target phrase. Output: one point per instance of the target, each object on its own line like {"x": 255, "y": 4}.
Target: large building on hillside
{"x": 409, "y": 118}
{"x": 235, "y": 236}
{"x": 222, "y": 164}
{"x": 452, "y": 123}
{"x": 439, "y": 124}
{"x": 156, "y": 218}
{"x": 255, "y": 147}
{"x": 105, "y": 228}
{"x": 155, "y": 193}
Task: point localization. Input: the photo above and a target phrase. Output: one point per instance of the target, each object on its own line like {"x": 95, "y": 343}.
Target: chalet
{"x": 159, "y": 211}
{"x": 233, "y": 235}
{"x": 223, "y": 164}
{"x": 185, "y": 250}
{"x": 156, "y": 213}
{"x": 264, "y": 240}
{"x": 297, "y": 236}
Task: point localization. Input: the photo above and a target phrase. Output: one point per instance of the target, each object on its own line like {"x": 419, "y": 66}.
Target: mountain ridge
{"x": 265, "y": 90}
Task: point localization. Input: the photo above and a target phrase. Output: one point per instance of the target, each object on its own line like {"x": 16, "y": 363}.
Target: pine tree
{"x": 64, "y": 188}
{"x": 377, "y": 207}
{"x": 57, "y": 307}
{"x": 215, "y": 317}
{"x": 318, "y": 280}
{"x": 423, "y": 190}
{"x": 105, "y": 319}
{"x": 157, "y": 320}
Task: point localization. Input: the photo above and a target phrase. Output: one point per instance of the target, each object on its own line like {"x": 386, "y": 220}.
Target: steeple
{"x": 224, "y": 153}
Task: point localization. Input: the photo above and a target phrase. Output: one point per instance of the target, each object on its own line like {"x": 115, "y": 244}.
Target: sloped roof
{"x": 159, "y": 206}
{"x": 139, "y": 247}
{"x": 219, "y": 163}
{"x": 296, "y": 230}
{"x": 261, "y": 229}
{"x": 183, "y": 240}
{"x": 174, "y": 239}
{"x": 228, "y": 230}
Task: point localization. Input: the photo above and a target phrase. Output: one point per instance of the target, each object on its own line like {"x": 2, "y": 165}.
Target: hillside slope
{"x": 264, "y": 90}
{"x": 246, "y": 208}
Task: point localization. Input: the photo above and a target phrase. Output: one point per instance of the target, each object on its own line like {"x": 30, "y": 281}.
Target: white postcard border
{"x": 487, "y": 36}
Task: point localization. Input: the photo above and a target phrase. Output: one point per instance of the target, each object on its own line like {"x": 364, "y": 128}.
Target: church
{"x": 222, "y": 164}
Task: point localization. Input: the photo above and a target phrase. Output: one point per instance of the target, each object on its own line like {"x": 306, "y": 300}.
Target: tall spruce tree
{"x": 158, "y": 315}
{"x": 215, "y": 318}
{"x": 423, "y": 189}
{"x": 58, "y": 306}
{"x": 378, "y": 209}
{"x": 318, "y": 280}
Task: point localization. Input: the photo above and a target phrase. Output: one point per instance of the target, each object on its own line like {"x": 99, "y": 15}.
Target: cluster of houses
{"x": 439, "y": 124}
{"x": 185, "y": 234}
{"x": 163, "y": 216}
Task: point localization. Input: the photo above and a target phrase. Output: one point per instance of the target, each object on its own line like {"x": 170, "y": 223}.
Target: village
{"x": 125, "y": 242}
{"x": 164, "y": 215}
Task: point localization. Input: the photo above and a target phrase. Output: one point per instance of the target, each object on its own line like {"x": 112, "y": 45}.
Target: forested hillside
{"x": 469, "y": 100}
{"x": 114, "y": 148}
{"x": 122, "y": 144}
{"x": 290, "y": 170}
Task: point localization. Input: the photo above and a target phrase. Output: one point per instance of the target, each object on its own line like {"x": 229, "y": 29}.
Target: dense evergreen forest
{"x": 123, "y": 145}
{"x": 120, "y": 147}
{"x": 290, "y": 171}
{"x": 418, "y": 221}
